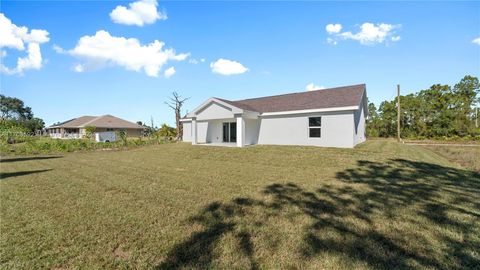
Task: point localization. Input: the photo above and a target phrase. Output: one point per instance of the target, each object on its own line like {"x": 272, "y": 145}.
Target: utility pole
{"x": 476, "y": 117}
{"x": 398, "y": 112}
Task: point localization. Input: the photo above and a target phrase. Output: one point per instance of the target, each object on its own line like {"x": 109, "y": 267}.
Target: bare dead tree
{"x": 176, "y": 103}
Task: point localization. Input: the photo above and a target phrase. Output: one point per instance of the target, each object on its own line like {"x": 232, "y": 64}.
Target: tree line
{"x": 438, "y": 112}
{"x": 16, "y": 114}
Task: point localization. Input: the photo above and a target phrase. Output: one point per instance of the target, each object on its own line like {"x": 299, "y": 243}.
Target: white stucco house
{"x": 332, "y": 117}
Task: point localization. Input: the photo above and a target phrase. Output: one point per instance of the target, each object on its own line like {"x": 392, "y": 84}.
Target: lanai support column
{"x": 240, "y": 131}
{"x": 194, "y": 130}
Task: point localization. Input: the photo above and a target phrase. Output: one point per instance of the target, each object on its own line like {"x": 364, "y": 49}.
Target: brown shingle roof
{"x": 104, "y": 121}
{"x": 75, "y": 122}
{"x": 318, "y": 99}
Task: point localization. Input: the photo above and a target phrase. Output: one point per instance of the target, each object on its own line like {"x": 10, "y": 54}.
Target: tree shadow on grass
{"x": 5, "y": 160}
{"x": 198, "y": 250}
{"x": 3, "y": 175}
{"x": 435, "y": 197}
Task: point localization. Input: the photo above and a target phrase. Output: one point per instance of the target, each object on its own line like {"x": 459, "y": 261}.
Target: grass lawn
{"x": 468, "y": 157}
{"x": 382, "y": 205}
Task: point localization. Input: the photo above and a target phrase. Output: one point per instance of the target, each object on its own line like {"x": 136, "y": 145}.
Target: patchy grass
{"x": 382, "y": 205}
{"x": 468, "y": 157}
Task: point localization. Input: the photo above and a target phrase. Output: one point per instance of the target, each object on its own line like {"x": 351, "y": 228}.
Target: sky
{"x": 66, "y": 59}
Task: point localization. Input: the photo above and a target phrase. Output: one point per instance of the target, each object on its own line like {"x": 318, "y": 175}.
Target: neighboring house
{"x": 105, "y": 128}
{"x": 330, "y": 117}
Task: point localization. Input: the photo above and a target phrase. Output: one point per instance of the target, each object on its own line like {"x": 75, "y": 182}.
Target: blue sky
{"x": 267, "y": 48}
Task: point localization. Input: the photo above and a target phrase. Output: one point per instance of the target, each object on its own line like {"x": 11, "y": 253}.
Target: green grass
{"x": 382, "y": 205}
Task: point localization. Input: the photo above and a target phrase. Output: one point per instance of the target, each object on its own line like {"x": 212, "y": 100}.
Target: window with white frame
{"x": 314, "y": 127}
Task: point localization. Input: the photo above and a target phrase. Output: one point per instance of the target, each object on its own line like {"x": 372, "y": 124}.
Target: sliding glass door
{"x": 226, "y": 132}
{"x": 229, "y": 132}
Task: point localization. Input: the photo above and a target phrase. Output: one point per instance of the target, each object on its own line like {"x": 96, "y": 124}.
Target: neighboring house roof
{"x": 104, "y": 121}
{"x": 75, "y": 122}
{"x": 345, "y": 96}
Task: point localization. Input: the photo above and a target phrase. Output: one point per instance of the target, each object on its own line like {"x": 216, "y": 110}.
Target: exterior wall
{"x": 131, "y": 132}
{"x": 337, "y": 130}
{"x": 214, "y": 131}
{"x": 359, "y": 128}
{"x": 202, "y": 131}
{"x": 187, "y": 132}
{"x": 214, "y": 111}
{"x": 252, "y": 128}
{"x": 211, "y": 131}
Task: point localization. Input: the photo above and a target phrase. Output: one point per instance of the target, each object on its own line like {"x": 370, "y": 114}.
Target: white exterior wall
{"x": 359, "y": 131}
{"x": 187, "y": 131}
{"x": 202, "y": 132}
{"x": 209, "y": 123}
{"x": 207, "y": 131}
{"x": 213, "y": 132}
{"x": 337, "y": 129}
{"x": 359, "y": 134}
{"x": 342, "y": 129}
{"x": 215, "y": 111}
{"x": 252, "y": 128}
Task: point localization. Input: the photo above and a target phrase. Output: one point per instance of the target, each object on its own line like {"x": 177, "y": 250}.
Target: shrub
{"x": 12, "y": 132}
{"x": 46, "y": 145}
{"x": 167, "y": 132}
{"x": 122, "y": 135}
{"x": 90, "y": 131}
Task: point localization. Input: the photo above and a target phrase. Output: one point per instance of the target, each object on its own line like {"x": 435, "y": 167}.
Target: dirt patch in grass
{"x": 120, "y": 253}
{"x": 468, "y": 157}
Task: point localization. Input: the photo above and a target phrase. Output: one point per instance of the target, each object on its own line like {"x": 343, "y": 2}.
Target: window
{"x": 229, "y": 132}
{"x": 109, "y": 129}
{"x": 314, "y": 127}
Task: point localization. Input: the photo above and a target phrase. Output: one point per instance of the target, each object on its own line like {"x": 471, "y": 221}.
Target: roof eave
{"x": 332, "y": 109}
{"x": 235, "y": 110}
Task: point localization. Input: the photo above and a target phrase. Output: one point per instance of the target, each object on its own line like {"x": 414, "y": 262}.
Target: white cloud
{"x": 331, "y": 41}
{"x": 227, "y": 67}
{"x": 333, "y": 28}
{"x": 104, "y": 49}
{"x": 32, "y": 61}
{"x": 312, "y": 86}
{"x": 138, "y": 13}
{"x": 476, "y": 41}
{"x": 58, "y": 49}
{"x": 169, "y": 72}
{"x": 369, "y": 34}
{"x": 78, "y": 68}
{"x": 15, "y": 37}
{"x": 195, "y": 61}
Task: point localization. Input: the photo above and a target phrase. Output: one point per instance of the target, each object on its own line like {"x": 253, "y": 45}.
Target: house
{"x": 332, "y": 117}
{"x": 105, "y": 128}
